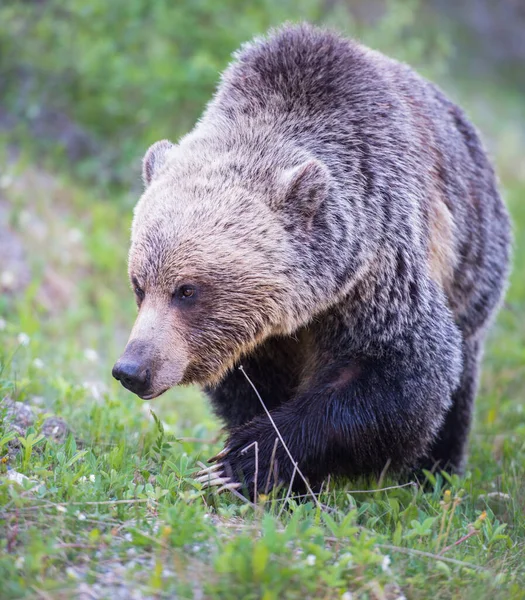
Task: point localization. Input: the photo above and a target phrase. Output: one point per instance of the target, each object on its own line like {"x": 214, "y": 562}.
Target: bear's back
{"x": 300, "y": 67}
{"x": 393, "y": 141}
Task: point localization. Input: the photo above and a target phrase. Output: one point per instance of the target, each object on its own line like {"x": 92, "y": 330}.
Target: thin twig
{"x": 243, "y": 451}
{"x": 66, "y": 546}
{"x": 288, "y": 492}
{"x": 309, "y": 489}
{"x": 92, "y": 503}
{"x": 470, "y": 534}
{"x": 455, "y": 504}
{"x": 384, "y": 489}
{"x": 195, "y": 440}
{"x": 412, "y": 551}
{"x": 241, "y": 497}
{"x": 272, "y": 459}
{"x": 371, "y": 491}
{"x": 383, "y": 472}
{"x": 41, "y": 593}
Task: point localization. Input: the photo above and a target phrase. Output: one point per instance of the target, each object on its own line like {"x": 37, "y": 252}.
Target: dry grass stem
{"x": 294, "y": 462}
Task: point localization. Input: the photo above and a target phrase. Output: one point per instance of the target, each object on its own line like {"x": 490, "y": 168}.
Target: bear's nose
{"x": 133, "y": 376}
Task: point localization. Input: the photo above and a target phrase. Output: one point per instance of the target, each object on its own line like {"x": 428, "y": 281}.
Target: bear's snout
{"x": 133, "y": 375}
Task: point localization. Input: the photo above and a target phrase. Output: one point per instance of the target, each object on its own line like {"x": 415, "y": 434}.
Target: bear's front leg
{"x": 356, "y": 417}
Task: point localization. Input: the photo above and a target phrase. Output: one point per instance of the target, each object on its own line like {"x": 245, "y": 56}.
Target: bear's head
{"x": 215, "y": 248}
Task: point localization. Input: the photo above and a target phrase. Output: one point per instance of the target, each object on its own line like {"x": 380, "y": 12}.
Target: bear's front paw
{"x": 256, "y": 468}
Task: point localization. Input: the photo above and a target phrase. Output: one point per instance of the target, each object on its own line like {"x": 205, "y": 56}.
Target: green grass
{"x": 116, "y": 504}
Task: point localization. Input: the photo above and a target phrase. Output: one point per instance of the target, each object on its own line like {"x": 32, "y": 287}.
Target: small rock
{"x": 17, "y": 477}
{"x": 17, "y": 413}
{"x": 56, "y": 429}
{"x": 19, "y": 416}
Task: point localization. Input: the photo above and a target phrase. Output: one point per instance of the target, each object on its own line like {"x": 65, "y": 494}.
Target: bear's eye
{"x": 139, "y": 292}
{"x": 185, "y": 292}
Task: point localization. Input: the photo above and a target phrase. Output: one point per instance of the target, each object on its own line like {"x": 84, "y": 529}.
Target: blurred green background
{"x": 95, "y": 82}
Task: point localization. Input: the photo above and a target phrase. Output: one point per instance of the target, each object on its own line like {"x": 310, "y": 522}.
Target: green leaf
{"x": 260, "y": 557}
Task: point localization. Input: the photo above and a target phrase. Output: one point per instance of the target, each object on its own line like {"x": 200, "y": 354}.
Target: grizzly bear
{"x": 332, "y": 224}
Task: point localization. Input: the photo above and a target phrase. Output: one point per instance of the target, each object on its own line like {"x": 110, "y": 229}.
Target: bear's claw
{"x": 208, "y": 470}
{"x": 220, "y": 455}
{"x": 214, "y": 476}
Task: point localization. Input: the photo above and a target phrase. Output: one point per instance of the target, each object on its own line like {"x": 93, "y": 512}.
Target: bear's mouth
{"x": 153, "y": 395}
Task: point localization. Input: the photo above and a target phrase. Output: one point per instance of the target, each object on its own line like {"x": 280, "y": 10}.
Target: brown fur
{"x": 441, "y": 254}
{"x": 347, "y": 374}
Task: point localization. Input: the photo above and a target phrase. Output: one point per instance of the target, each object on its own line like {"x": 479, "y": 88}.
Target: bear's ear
{"x": 306, "y": 188}
{"x": 154, "y": 159}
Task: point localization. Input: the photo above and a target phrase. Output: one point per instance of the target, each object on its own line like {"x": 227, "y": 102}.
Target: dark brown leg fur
{"x": 358, "y": 413}
{"x": 448, "y": 451}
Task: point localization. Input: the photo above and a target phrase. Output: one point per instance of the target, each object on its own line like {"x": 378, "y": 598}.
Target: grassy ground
{"x": 111, "y": 510}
